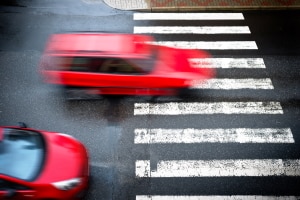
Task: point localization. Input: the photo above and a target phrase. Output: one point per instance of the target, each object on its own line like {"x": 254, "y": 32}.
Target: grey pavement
{"x": 194, "y": 5}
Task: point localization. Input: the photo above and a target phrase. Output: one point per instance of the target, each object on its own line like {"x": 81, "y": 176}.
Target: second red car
{"x": 41, "y": 165}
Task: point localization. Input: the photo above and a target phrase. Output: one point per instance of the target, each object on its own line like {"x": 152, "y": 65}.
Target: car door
{"x": 14, "y": 190}
{"x": 111, "y": 73}
{"x": 87, "y": 71}
{"x": 118, "y": 72}
{"x": 137, "y": 74}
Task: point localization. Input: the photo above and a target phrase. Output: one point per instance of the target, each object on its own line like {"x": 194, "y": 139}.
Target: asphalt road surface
{"x": 237, "y": 137}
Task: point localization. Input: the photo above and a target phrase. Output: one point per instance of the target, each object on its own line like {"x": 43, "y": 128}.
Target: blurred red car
{"x": 41, "y": 165}
{"x": 119, "y": 64}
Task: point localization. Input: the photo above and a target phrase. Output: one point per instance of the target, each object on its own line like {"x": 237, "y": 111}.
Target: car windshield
{"x": 21, "y": 153}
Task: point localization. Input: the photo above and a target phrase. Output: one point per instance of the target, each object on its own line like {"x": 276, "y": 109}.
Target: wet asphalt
{"x": 106, "y": 126}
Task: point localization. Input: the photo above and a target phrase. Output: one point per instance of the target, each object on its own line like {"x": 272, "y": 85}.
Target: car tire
{"x": 75, "y": 93}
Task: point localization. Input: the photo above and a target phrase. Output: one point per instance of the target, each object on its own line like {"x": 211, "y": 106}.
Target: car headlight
{"x": 67, "y": 184}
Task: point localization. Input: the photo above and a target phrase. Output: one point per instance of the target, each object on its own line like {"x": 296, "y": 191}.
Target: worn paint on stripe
{"x": 234, "y": 84}
{"x": 228, "y": 62}
{"x": 215, "y": 45}
{"x": 179, "y": 108}
{"x": 142, "y": 168}
{"x": 188, "y": 16}
{"x": 192, "y": 29}
{"x": 234, "y": 135}
{"x": 212, "y": 197}
{"x": 219, "y": 168}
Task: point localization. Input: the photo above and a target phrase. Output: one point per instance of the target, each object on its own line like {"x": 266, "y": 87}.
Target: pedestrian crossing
{"x": 200, "y": 108}
{"x": 228, "y": 63}
{"x": 166, "y": 168}
{"x": 188, "y": 16}
{"x": 216, "y": 45}
{"x": 192, "y": 29}
{"x": 234, "y": 84}
{"x": 232, "y": 135}
{"x": 219, "y": 168}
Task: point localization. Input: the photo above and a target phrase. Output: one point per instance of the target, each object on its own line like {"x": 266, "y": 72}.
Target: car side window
{"x": 104, "y": 65}
{"x": 80, "y": 64}
{"x": 118, "y": 66}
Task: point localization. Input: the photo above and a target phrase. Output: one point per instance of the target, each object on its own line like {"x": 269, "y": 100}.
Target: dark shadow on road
{"x": 11, "y": 3}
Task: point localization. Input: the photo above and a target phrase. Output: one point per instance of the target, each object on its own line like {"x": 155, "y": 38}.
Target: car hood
{"x": 64, "y": 158}
{"x": 177, "y": 60}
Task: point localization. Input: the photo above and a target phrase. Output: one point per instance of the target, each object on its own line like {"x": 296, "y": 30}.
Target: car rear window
{"x": 22, "y": 153}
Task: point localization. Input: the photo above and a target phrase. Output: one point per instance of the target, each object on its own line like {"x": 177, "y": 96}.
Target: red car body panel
{"x": 66, "y": 158}
{"x": 62, "y": 148}
{"x": 171, "y": 69}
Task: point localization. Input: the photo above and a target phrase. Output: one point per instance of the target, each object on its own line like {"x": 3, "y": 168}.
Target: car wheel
{"x": 74, "y": 93}
{"x": 77, "y": 93}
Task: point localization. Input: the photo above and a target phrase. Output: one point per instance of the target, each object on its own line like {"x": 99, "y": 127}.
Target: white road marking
{"x": 192, "y": 29}
{"x": 188, "y": 16}
{"x": 234, "y": 135}
{"x": 234, "y": 84}
{"x": 219, "y": 168}
{"x": 176, "y": 108}
{"x": 216, "y": 45}
{"x": 228, "y": 62}
{"x": 212, "y": 197}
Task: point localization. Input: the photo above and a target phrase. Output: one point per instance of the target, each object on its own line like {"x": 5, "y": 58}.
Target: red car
{"x": 41, "y": 165}
{"x": 119, "y": 64}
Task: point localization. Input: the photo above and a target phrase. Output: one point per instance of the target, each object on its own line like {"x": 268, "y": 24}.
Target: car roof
{"x": 102, "y": 43}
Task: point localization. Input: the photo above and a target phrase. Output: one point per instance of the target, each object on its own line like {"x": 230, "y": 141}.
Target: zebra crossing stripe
{"x": 228, "y": 62}
{"x": 180, "y": 108}
{"x": 215, "y": 45}
{"x": 192, "y": 136}
{"x": 219, "y": 168}
{"x": 212, "y": 197}
{"x": 233, "y": 84}
{"x": 188, "y": 16}
{"x": 192, "y": 29}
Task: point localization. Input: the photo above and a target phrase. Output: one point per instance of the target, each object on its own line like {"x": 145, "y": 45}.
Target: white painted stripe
{"x": 234, "y": 84}
{"x": 192, "y": 29}
{"x": 188, "y": 16}
{"x": 228, "y": 62}
{"x": 179, "y": 108}
{"x": 234, "y": 197}
{"x": 234, "y": 135}
{"x": 219, "y": 168}
{"x": 217, "y": 45}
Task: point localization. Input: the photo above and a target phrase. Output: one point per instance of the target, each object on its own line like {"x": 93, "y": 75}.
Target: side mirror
{"x": 22, "y": 125}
